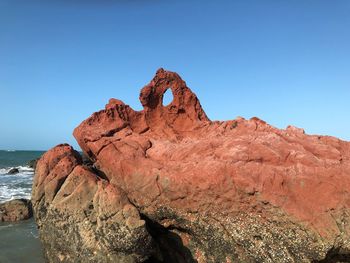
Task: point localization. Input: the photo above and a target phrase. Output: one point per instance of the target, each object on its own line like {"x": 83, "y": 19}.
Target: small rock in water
{"x": 13, "y": 171}
{"x": 16, "y": 210}
{"x": 32, "y": 163}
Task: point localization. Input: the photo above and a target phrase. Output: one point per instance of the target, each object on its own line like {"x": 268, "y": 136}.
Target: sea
{"x": 19, "y": 242}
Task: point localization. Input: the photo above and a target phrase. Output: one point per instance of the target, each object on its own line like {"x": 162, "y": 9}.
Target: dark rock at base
{"x": 86, "y": 160}
{"x": 15, "y": 210}
{"x": 13, "y": 171}
{"x": 32, "y": 163}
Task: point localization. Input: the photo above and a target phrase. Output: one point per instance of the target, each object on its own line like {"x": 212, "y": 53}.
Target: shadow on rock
{"x": 170, "y": 246}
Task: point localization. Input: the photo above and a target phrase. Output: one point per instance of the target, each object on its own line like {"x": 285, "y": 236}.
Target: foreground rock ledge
{"x": 166, "y": 184}
{"x": 15, "y": 210}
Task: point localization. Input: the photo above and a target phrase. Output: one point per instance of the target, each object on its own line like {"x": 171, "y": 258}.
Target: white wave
{"x": 6, "y": 226}
{"x": 16, "y": 177}
{"x": 8, "y": 193}
{"x": 14, "y": 186}
{"x": 34, "y": 234}
{"x": 21, "y": 170}
{"x": 25, "y": 168}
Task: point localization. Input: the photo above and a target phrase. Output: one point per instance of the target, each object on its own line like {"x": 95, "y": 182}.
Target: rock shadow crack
{"x": 170, "y": 248}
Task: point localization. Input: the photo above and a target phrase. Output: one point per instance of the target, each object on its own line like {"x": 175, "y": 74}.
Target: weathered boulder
{"x": 15, "y": 210}
{"x": 169, "y": 185}
{"x": 13, "y": 171}
{"x": 81, "y": 216}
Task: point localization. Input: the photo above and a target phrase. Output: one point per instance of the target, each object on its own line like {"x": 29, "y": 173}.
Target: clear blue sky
{"x": 286, "y": 62}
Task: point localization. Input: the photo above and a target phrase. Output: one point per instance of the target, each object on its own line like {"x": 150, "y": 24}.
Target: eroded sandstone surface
{"x": 166, "y": 184}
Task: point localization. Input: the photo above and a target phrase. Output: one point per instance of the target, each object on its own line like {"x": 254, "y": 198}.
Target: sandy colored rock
{"x": 194, "y": 190}
{"x": 80, "y": 214}
{"x": 15, "y": 210}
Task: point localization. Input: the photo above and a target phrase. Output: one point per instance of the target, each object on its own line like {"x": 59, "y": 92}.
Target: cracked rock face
{"x": 166, "y": 184}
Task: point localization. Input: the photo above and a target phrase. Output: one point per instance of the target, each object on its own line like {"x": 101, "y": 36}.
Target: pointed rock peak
{"x": 160, "y": 71}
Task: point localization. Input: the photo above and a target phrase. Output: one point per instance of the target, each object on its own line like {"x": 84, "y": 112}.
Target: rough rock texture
{"x": 166, "y": 184}
{"x": 81, "y": 216}
{"x": 15, "y": 210}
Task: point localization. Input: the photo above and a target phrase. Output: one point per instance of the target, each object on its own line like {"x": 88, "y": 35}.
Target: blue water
{"x": 17, "y": 158}
{"x": 19, "y": 242}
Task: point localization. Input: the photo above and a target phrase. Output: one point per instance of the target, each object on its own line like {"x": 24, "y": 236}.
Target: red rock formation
{"x": 234, "y": 191}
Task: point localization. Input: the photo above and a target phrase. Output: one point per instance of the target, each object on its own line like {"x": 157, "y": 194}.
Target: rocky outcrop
{"x": 15, "y": 210}
{"x": 32, "y": 163}
{"x": 81, "y": 216}
{"x": 13, "y": 171}
{"x": 166, "y": 184}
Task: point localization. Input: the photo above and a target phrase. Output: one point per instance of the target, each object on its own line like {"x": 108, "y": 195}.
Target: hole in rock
{"x": 170, "y": 248}
{"x": 167, "y": 97}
